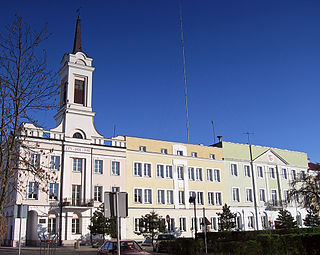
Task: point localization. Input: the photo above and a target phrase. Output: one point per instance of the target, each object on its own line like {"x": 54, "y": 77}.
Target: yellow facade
{"x": 158, "y": 155}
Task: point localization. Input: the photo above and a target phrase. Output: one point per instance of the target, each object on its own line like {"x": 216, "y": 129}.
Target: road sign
{"x": 168, "y": 218}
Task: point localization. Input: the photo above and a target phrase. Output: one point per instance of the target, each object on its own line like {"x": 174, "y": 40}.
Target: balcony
{"x": 77, "y": 202}
{"x": 274, "y": 205}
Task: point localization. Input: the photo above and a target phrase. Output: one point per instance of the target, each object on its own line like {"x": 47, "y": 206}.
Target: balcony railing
{"x": 78, "y": 202}
{"x": 275, "y": 204}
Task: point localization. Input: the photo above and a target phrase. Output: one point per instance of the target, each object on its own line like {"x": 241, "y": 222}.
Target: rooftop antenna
{"x": 184, "y": 71}
{"x": 78, "y": 12}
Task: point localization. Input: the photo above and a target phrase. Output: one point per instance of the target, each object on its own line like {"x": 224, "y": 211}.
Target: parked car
{"x": 147, "y": 242}
{"x": 127, "y": 247}
{"x": 162, "y": 242}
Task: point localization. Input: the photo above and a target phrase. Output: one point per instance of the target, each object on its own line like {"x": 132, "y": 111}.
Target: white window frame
{"x": 33, "y": 190}
{"x": 53, "y": 190}
{"x": 194, "y": 154}
{"x": 236, "y": 199}
{"x": 161, "y": 196}
{"x": 115, "y": 167}
{"x": 284, "y": 173}
{"x": 136, "y": 195}
{"x": 212, "y": 156}
{"x": 216, "y": 175}
{"x": 97, "y": 193}
{"x": 247, "y": 170}
{"x": 293, "y": 174}
{"x": 136, "y": 170}
{"x": 169, "y": 174}
{"x": 55, "y": 163}
{"x": 218, "y": 197}
{"x": 249, "y": 195}
{"x": 183, "y": 224}
{"x": 272, "y": 173}
{"x": 98, "y": 166}
{"x": 147, "y": 170}
{"x": 164, "y": 151}
{"x": 142, "y": 148}
{"x": 160, "y": 171}
{"x": 211, "y": 198}
{"x": 181, "y": 197}
{"x": 234, "y": 169}
{"x": 180, "y": 171}
{"x": 210, "y": 175}
{"x": 191, "y": 176}
{"x": 262, "y": 195}
{"x": 200, "y": 197}
{"x": 199, "y": 176}
{"x": 147, "y": 196}
{"x": 77, "y": 165}
{"x": 170, "y": 199}
{"x": 260, "y": 173}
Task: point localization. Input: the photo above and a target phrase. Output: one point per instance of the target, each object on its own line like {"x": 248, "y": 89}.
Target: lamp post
{"x": 192, "y": 199}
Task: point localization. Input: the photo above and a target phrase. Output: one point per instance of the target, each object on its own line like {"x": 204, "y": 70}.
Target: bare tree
{"x": 305, "y": 189}
{"x": 26, "y": 86}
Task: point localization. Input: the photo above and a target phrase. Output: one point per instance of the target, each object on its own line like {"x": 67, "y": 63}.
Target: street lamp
{"x": 192, "y": 199}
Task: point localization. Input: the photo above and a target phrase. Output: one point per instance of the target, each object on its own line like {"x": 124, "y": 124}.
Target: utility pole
{"x": 253, "y": 181}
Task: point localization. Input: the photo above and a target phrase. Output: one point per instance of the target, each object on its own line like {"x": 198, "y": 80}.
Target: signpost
{"x": 168, "y": 221}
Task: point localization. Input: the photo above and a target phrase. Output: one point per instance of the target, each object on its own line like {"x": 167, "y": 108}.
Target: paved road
{"x": 84, "y": 250}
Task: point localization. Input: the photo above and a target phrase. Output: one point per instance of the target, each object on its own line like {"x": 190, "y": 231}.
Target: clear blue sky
{"x": 252, "y": 66}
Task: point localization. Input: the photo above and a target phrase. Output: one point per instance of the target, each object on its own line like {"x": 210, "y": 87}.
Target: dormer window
{"x": 142, "y": 148}
{"x": 79, "y": 91}
{"x": 180, "y": 153}
{"x": 194, "y": 154}
{"x": 77, "y": 135}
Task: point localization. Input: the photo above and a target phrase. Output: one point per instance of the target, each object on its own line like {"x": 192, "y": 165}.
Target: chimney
{"x": 220, "y": 138}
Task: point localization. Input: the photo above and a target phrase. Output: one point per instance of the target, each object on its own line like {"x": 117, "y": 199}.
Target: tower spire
{"x": 77, "y": 38}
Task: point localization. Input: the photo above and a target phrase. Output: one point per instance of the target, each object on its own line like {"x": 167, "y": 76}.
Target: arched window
{"x": 77, "y": 135}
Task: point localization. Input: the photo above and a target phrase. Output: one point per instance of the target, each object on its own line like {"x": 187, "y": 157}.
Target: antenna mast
{"x": 184, "y": 72}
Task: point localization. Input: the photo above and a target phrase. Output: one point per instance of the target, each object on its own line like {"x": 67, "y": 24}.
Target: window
{"x": 262, "y": 195}
{"x": 284, "y": 173}
{"x": 147, "y": 170}
{"x": 293, "y": 174}
{"x": 75, "y": 226}
{"x": 169, "y": 197}
{"x": 137, "y": 169}
{"x": 251, "y": 222}
{"x": 218, "y": 198}
{"x": 171, "y": 226}
{"x": 52, "y": 225}
{"x": 217, "y": 175}
{"x": 137, "y": 224}
{"x": 79, "y": 91}
{"x": 234, "y": 170}
{"x": 98, "y": 166}
{"x": 247, "y": 171}
{"x": 161, "y": 198}
{"x": 192, "y": 194}
{"x": 182, "y": 224}
{"x": 213, "y": 224}
{"x": 143, "y": 148}
{"x": 181, "y": 197}
{"x": 264, "y": 221}
{"x": 200, "y": 197}
{"x": 260, "y": 171}
{"x": 115, "y": 168}
{"x": 271, "y": 172}
{"x": 180, "y": 153}
{"x": 209, "y": 175}
{"x": 286, "y": 196}
{"x": 77, "y": 135}
{"x": 77, "y": 165}
{"x": 249, "y": 195}
{"x": 164, "y": 151}
{"x": 302, "y": 174}
{"x": 160, "y": 171}
{"x": 53, "y": 191}
{"x": 148, "y": 196}
{"x": 194, "y": 154}
{"x": 63, "y": 93}
{"x": 180, "y": 172}
{"x": 274, "y": 197}
{"x": 97, "y": 193}
{"x": 138, "y": 196}
{"x": 235, "y": 195}
{"x": 169, "y": 172}
{"x": 55, "y": 163}
{"x": 193, "y": 222}
{"x": 33, "y": 190}
{"x": 76, "y": 194}
{"x": 115, "y": 189}
{"x": 211, "y": 198}
{"x": 212, "y": 156}
{"x": 191, "y": 173}
{"x": 199, "y": 174}
{"x": 35, "y": 160}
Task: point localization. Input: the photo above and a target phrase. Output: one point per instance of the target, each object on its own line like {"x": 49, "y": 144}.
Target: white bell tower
{"x": 75, "y": 117}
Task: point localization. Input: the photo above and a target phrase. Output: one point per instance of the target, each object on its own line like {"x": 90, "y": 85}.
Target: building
{"x": 84, "y": 163}
{"x": 161, "y": 176}
{"x": 158, "y": 175}
{"x": 257, "y": 187}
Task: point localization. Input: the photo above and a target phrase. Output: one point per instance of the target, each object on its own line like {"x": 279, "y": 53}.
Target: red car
{"x": 127, "y": 247}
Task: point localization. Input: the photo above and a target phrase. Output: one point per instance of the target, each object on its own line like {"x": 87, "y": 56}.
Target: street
{"x": 84, "y": 250}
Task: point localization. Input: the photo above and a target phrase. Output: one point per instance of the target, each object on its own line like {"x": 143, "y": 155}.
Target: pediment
{"x": 270, "y": 157}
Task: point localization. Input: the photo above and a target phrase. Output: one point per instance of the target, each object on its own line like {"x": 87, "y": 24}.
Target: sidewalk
{"x": 83, "y": 250}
